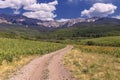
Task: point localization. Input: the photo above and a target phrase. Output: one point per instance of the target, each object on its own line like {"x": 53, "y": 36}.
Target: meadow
{"x": 103, "y": 41}
{"x": 95, "y": 59}
{"x": 91, "y": 59}
{"x": 92, "y": 66}
{"x": 113, "y": 51}
{"x": 15, "y": 53}
{"x": 15, "y": 49}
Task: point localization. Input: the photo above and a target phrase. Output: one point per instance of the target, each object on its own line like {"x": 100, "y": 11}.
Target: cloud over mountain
{"x": 43, "y": 11}
{"x": 99, "y": 9}
{"x": 117, "y": 16}
{"x": 63, "y": 20}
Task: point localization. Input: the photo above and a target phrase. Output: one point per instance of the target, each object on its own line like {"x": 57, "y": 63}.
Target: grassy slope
{"x": 87, "y": 31}
{"x": 17, "y": 52}
{"x": 101, "y": 62}
{"x": 21, "y": 31}
{"x": 92, "y": 66}
{"x": 14, "y": 48}
{"x": 103, "y": 41}
{"x": 74, "y": 32}
{"x": 114, "y": 51}
{"x": 8, "y": 69}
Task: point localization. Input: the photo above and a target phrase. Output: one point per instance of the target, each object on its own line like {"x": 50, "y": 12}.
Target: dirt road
{"x": 47, "y": 67}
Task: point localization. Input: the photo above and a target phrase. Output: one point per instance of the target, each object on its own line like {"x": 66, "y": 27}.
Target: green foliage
{"x": 89, "y": 43}
{"x": 103, "y": 41}
{"x": 74, "y": 32}
{"x": 114, "y": 51}
{"x": 20, "y": 31}
{"x": 87, "y": 31}
{"x": 15, "y": 48}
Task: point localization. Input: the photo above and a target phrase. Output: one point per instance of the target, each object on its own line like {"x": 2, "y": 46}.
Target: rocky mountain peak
{"x": 22, "y": 20}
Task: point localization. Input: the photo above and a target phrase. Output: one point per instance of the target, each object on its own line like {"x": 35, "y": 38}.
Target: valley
{"x": 93, "y": 51}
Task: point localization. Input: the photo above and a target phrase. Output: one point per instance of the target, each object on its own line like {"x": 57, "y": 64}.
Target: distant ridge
{"x": 22, "y": 20}
{"x": 18, "y": 26}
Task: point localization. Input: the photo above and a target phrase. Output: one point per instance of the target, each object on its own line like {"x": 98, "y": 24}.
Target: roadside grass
{"x": 114, "y": 51}
{"x": 8, "y": 70}
{"x": 14, "y": 48}
{"x": 14, "y": 53}
{"x": 92, "y": 66}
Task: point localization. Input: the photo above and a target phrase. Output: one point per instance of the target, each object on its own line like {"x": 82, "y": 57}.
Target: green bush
{"x": 89, "y": 43}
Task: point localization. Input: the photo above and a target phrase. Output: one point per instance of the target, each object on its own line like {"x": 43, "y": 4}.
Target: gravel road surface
{"x": 47, "y": 67}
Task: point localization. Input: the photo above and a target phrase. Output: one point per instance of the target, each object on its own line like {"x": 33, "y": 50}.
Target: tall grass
{"x": 14, "y": 49}
{"x": 103, "y": 41}
{"x": 86, "y": 66}
{"x": 114, "y": 51}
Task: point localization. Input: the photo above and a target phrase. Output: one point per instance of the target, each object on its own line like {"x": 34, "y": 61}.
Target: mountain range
{"x": 18, "y": 26}
{"x": 22, "y": 20}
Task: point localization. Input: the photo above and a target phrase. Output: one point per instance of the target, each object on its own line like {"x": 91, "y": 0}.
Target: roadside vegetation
{"x": 13, "y": 51}
{"x": 92, "y": 66}
{"x": 96, "y": 55}
{"x": 14, "y": 48}
{"x": 95, "y": 59}
{"x": 114, "y": 51}
{"x": 103, "y": 41}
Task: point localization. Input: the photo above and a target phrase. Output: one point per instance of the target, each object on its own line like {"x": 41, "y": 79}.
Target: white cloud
{"x": 16, "y": 12}
{"x": 117, "y": 17}
{"x": 42, "y": 15}
{"x": 28, "y": 2}
{"x": 40, "y": 7}
{"x": 99, "y": 9}
{"x": 53, "y": 3}
{"x": 43, "y": 11}
{"x": 63, "y": 20}
{"x": 14, "y": 4}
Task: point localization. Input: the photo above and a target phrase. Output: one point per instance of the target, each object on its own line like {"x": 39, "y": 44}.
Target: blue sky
{"x": 62, "y": 9}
